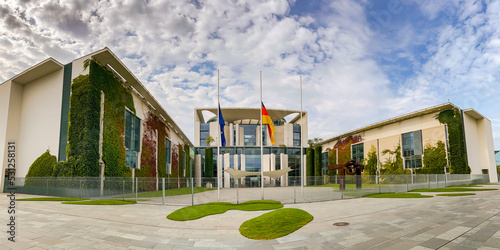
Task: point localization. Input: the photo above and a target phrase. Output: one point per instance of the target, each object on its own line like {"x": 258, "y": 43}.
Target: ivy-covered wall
{"x": 343, "y": 147}
{"x": 456, "y": 137}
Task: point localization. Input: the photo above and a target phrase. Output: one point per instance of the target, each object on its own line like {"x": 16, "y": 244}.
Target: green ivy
{"x": 371, "y": 162}
{"x": 209, "y": 162}
{"x": 457, "y": 155}
{"x": 188, "y": 161}
{"x": 317, "y": 163}
{"x": 332, "y": 160}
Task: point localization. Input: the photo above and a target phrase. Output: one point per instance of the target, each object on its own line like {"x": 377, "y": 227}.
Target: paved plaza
{"x": 466, "y": 222}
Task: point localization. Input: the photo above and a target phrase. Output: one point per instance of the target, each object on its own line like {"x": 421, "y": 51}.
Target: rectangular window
{"x": 168, "y": 154}
{"x": 249, "y": 132}
{"x": 132, "y": 138}
{"x": 296, "y": 135}
{"x": 357, "y": 152}
{"x": 412, "y": 149}
{"x": 204, "y": 133}
{"x": 324, "y": 163}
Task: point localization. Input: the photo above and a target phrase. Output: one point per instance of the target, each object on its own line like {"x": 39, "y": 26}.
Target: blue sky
{"x": 361, "y": 61}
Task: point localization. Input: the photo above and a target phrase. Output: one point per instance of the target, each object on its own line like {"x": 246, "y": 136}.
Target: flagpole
{"x": 261, "y": 144}
{"x": 301, "y": 146}
{"x": 218, "y": 140}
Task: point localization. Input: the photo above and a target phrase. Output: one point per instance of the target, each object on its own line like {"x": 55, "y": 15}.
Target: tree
{"x": 309, "y": 165}
{"x": 209, "y": 140}
{"x": 371, "y": 162}
{"x": 314, "y": 142}
{"x": 434, "y": 159}
{"x": 209, "y": 162}
{"x": 393, "y": 165}
{"x": 317, "y": 163}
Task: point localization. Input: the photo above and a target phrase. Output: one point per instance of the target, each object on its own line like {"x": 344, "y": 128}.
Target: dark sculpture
{"x": 351, "y": 168}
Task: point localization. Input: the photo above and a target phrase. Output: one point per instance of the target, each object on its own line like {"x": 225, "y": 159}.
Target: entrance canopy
{"x": 237, "y": 174}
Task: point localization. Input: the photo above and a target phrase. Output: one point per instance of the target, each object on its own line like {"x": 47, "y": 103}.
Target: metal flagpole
{"x": 217, "y": 138}
{"x": 261, "y": 144}
{"x": 301, "y": 146}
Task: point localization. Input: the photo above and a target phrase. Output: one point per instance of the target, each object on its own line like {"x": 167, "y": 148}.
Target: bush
{"x": 42, "y": 166}
{"x": 434, "y": 159}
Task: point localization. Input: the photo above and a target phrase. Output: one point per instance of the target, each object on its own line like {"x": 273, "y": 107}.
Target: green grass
{"x": 456, "y": 194}
{"x": 453, "y": 189}
{"x": 101, "y": 202}
{"x": 275, "y": 224}
{"x": 353, "y": 186}
{"x": 51, "y": 199}
{"x": 397, "y": 195}
{"x": 172, "y": 192}
{"x": 473, "y": 185}
{"x": 200, "y": 211}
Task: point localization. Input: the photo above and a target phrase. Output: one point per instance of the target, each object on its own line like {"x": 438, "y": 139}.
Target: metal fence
{"x": 189, "y": 191}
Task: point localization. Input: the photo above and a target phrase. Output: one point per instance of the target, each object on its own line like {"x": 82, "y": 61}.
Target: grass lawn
{"x": 456, "y": 194}
{"x": 353, "y": 186}
{"x": 397, "y": 195}
{"x": 473, "y": 185}
{"x": 51, "y": 199}
{"x": 101, "y": 202}
{"x": 453, "y": 189}
{"x": 202, "y": 210}
{"x": 172, "y": 192}
{"x": 275, "y": 224}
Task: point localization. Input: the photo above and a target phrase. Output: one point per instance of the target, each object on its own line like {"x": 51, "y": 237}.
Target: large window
{"x": 204, "y": 133}
{"x": 168, "y": 154}
{"x": 296, "y": 135}
{"x": 249, "y": 132}
{"x": 357, "y": 152}
{"x": 252, "y": 159}
{"x": 412, "y": 149}
{"x": 132, "y": 139}
{"x": 324, "y": 163}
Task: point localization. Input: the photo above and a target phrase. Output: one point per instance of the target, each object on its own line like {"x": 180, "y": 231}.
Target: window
{"x": 324, "y": 163}
{"x": 249, "y": 132}
{"x": 168, "y": 154}
{"x": 412, "y": 149}
{"x": 357, "y": 152}
{"x": 132, "y": 138}
{"x": 265, "y": 133}
{"x": 204, "y": 133}
{"x": 296, "y": 135}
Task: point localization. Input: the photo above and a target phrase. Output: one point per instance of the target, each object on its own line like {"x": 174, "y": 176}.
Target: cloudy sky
{"x": 361, "y": 61}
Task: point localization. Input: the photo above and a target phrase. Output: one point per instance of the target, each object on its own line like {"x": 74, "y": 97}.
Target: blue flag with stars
{"x": 222, "y": 124}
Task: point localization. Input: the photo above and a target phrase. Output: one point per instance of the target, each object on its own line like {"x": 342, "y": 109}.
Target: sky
{"x": 361, "y": 62}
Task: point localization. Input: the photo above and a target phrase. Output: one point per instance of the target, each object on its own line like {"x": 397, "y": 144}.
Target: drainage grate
{"x": 341, "y": 224}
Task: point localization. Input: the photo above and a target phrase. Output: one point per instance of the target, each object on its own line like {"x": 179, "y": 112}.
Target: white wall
{"x": 4, "y": 113}
{"x": 473, "y": 149}
{"x": 39, "y": 127}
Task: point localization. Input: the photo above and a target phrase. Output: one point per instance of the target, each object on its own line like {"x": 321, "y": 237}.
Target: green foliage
{"x": 188, "y": 161}
{"x": 498, "y": 169}
{"x": 83, "y": 132}
{"x": 371, "y": 162}
{"x": 42, "y": 166}
{"x": 393, "y": 165}
{"x": 51, "y": 199}
{"x": 101, "y": 202}
{"x": 275, "y": 224}
{"x": 314, "y": 142}
{"x": 203, "y": 210}
{"x": 458, "y": 158}
{"x": 209, "y": 140}
{"x": 181, "y": 160}
{"x": 209, "y": 163}
{"x": 456, "y": 194}
{"x": 332, "y": 160}
{"x": 317, "y": 164}
{"x": 309, "y": 165}
{"x": 434, "y": 159}
{"x": 452, "y": 189}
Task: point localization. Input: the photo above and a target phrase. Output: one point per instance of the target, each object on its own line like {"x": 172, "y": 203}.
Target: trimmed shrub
{"x": 42, "y": 166}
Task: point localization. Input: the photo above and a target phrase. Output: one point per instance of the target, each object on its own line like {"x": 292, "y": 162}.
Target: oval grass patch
{"x": 275, "y": 224}
{"x": 101, "y": 202}
{"x": 456, "y": 194}
{"x": 397, "y": 195}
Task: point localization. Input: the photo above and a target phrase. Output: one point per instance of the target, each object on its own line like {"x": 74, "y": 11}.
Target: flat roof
{"x": 250, "y": 115}
{"x": 429, "y": 110}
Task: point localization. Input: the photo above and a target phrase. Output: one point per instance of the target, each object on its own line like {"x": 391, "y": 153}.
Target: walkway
{"x": 468, "y": 222}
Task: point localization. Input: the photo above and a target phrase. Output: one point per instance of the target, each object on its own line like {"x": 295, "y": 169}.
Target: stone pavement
{"x": 466, "y": 222}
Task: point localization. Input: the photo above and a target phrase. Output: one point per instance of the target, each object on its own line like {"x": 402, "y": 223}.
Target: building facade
{"x": 465, "y": 134}
{"x": 93, "y": 102}
{"x": 243, "y": 135}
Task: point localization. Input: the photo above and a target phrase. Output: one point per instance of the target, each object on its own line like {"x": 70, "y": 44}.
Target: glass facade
{"x": 168, "y": 154}
{"x": 324, "y": 163}
{"x": 412, "y": 149}
{"x": 204, "y": 133}
{"x": 249, "y": 134}
{"x": 132, "y": 138}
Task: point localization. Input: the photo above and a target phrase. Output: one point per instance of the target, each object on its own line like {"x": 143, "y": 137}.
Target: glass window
{"x": 132, "y": 138}
{"x": 324, "y": 163}
{"x": 249, "y": 132}
{"x": 412, "y": 149}
{"x": 204, "y": 133}
{"x": 296, "y": 135}
{"x": 357, "y": 152}
{"x": 168, "y": 154}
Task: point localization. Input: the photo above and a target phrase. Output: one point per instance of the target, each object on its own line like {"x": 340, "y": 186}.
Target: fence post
{"x": 445, "y": 177}
{"x": 47, "y": 187}
{"x": 81, "y": 191}
{"x": 428, "y": 182}
{"x": 294, "y": 193}
{"x": 163, "y": 191}
{"x": 437, "y": 181}
{"x": 123, "y": 191}
{"x": 136, "y": 186}
{"x": 192, "y": 192}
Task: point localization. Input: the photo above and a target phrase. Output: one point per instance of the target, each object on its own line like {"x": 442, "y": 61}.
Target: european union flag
{"x": 222, "y": 124}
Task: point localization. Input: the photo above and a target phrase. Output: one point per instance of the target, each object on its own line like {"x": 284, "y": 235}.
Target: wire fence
{"x": 192, "y": 191}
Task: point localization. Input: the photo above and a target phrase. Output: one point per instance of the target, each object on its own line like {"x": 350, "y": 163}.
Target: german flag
{"x": 266, "y": 119}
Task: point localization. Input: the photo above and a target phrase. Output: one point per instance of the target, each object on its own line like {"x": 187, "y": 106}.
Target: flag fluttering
{"x": 222, "y": 124}
{"x": 266, "y": 119}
